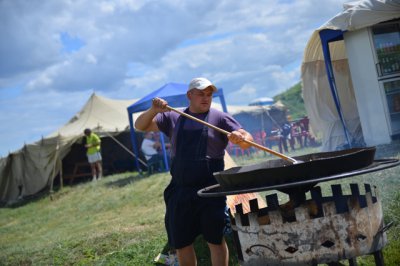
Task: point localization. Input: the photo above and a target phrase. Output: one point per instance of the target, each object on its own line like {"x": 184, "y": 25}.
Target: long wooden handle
{"x": 226, "y": 133}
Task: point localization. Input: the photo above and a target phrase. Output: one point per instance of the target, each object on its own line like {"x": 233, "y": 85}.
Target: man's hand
{"x": 238, "y": 136}
{"x": 159, "y": 105}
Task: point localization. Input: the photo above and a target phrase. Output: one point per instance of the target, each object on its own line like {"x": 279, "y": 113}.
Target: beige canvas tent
{"x": 32, "y": 168}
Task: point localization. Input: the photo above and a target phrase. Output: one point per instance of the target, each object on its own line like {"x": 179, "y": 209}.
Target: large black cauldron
{"x": 313, "y": 166}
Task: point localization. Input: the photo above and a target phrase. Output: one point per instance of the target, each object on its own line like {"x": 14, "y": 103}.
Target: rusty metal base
{"x": 323, "y": 229}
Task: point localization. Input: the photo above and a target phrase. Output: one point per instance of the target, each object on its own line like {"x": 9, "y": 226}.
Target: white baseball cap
{"x": 201, "y": 84}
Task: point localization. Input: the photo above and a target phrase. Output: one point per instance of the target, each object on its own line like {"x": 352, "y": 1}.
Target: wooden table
{"x": 81, "y": 169}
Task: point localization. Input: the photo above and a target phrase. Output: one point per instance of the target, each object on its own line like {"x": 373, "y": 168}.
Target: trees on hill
{"x": 293, "y": 100}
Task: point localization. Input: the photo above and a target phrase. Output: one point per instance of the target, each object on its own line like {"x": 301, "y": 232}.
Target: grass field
{"x": 119, "y": 220}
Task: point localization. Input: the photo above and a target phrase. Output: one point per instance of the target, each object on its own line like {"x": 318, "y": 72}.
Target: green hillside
{"x": 293, "y": 100}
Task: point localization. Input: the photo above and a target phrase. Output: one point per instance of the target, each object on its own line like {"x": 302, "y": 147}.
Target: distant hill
{"x": 293, "y": 100}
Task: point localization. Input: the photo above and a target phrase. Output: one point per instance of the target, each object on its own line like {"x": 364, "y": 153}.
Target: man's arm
{"x": 146, "y": 122}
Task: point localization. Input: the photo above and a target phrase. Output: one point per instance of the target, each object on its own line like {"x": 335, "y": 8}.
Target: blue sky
{"x": 55, "y": 54}
{"x": 70, "y": 43}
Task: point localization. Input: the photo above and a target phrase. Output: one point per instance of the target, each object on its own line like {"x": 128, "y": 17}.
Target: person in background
{"x": 277, "y": 135}
{"x": 304, "y": 124}
{"x": 285, "y": 133}
{"x": 167, "y": 146}
{"x": 150, "y": 150}
{"x": 93, "y": 153}
{"x": 197, "y": 152}
{"x": 297, "y": 134}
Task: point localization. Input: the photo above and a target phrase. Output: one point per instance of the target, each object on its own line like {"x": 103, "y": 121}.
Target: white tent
{"x": 32, "y": 168}
{"x": 319, "y": 102}
{"x": 258, "y": 118}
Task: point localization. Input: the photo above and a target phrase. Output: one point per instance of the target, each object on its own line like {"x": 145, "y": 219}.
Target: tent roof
{"x": 173, "y": 93}
{"x": 262, "y": 101}
{"x": 355, "y": 15}
{"x": 236, "y": 109}
{"x": 108, "y": 114}
{"x": 360, "y": 14}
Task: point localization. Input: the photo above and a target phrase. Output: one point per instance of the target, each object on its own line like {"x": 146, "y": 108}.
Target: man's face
{"x": 200, "y": 100}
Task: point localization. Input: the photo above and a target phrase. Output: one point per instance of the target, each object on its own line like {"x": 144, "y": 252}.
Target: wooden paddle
{"x": 293, "y": 161}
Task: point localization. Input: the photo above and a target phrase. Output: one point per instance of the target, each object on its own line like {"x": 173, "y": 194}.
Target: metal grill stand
{"x": 323, "y": 229}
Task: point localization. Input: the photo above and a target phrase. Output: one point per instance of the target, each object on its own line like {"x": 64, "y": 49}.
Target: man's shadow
{"x": 125, "y": 181}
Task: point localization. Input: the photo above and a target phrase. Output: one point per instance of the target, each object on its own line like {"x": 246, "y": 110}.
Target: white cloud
{"x": 90, "y": 58}
{"x": 107, "y": 7}
{"x": 247, "y": 93}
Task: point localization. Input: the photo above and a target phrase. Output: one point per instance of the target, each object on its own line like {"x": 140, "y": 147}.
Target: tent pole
{"x": 325, "y": 40}
{"x": 164, "y": 151}
{"x": 220, "y": 93}
{"x": 125, "y": 148}
{"x": 54, "y": 167}
{"x": 133, "y": 139}
{"x": 61, "y": 175}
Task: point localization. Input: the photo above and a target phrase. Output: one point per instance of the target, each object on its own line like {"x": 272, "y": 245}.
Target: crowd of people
{"x": 294, "y": 134}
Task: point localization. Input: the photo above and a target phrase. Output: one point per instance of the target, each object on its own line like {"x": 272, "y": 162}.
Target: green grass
{"x": 120, "y": 221}
{"x": 119, "y": 217}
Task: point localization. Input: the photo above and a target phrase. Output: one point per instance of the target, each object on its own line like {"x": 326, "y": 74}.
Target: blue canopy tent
{"x": 175, "y": 95}
{"x": 327, "y": 36}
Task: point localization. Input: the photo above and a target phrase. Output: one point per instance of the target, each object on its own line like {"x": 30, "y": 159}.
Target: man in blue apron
{"x": 197, "y": 152}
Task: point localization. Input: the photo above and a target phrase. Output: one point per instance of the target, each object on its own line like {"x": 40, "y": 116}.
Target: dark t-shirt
{"x": 217, "y": 141}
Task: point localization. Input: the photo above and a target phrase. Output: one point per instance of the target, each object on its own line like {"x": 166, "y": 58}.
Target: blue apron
{"x": 187, "y": 214}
